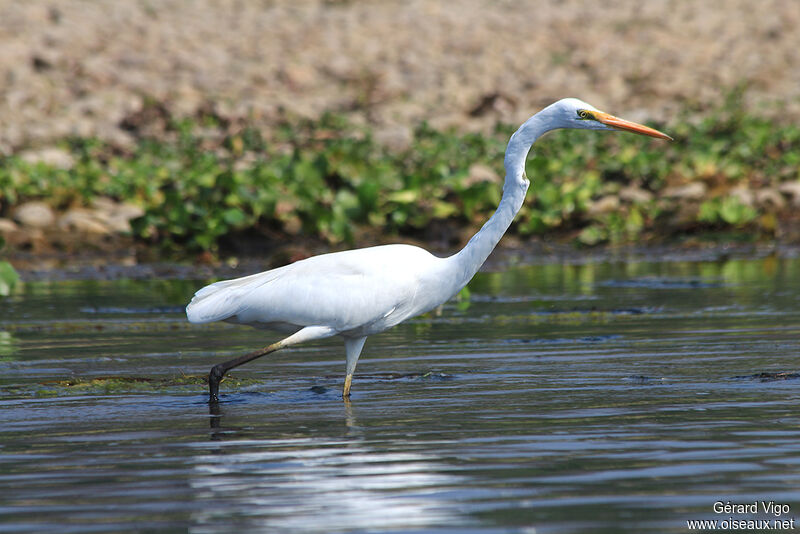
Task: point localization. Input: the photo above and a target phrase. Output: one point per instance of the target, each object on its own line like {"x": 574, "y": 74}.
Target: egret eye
{"x": 583, "y": 114}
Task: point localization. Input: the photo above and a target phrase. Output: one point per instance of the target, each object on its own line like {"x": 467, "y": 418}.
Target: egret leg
{"x": 346, "y": 391}
{"x": 353, "y": 347}
{"x": 218, "y": 371}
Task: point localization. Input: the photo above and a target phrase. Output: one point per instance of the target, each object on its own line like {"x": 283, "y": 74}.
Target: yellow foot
{"x": 347, "y": 381}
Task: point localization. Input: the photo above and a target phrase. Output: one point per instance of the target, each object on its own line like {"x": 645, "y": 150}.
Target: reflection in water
{"x": 606, "y": 397}
{"x": 312, "y": 484}
{"x": 8, "y": 345}
{"x": 214, "y": 420}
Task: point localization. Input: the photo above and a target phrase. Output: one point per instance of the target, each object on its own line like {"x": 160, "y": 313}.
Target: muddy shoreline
{"x": 75, "y": 68}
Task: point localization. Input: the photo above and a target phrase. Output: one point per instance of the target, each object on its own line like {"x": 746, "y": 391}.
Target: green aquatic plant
{"x": 729, "y": 211}
{"x": 115, "y": 385}
{"x": 330, "y": 180}
{"x": 9, "y": 278}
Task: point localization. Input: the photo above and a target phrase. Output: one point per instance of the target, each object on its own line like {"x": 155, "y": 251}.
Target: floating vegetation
{"x": 121, "y": 384}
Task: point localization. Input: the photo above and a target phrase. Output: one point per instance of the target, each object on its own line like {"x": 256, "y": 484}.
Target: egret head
{"x": 574, "y": 113}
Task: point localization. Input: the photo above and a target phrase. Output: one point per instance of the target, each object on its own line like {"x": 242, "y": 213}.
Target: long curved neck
{"x": 463, "y": 265}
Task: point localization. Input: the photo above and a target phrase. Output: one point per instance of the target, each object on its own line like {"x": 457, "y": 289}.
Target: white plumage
{"x": 361, "y": 292}
{"x": 347, "y": 291}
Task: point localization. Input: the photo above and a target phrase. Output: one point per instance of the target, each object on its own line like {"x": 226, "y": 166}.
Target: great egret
{"x": 360, "y": 292}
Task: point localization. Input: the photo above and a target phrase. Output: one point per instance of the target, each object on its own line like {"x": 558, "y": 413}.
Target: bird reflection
{"x": 215, "y": 416}
{"x": 349, "y": 418}
{"x": 311, "y": 477}
{"x": 214, "y": 420}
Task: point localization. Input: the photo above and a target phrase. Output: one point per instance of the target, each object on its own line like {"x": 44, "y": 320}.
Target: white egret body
{"x": 360, "y": 292}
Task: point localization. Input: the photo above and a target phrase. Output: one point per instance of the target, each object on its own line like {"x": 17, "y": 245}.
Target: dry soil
{"x": 83, "y": 67}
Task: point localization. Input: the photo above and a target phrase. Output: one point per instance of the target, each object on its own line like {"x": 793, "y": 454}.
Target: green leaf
{"x": 592, "y": 235}
{"x": 736, "y": 213}
{"x": 708, "y": 211}
{"x": 443, "y": 210}
{"x": 404, "y": 197}
{"x": 8, "y": 278}
{"x": 233, "y": 216}
{"x": 463, "y": 299}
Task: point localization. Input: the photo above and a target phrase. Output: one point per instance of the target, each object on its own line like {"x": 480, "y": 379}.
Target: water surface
{"x": 607, "y": 397}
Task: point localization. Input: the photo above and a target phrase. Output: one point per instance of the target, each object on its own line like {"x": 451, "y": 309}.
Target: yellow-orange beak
{"x": 622, "y": 124}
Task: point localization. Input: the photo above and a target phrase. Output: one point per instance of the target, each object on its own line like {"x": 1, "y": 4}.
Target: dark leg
{"x": 218, "y": 371}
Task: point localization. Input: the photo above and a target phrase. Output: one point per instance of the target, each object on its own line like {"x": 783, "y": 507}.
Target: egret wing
{"x": 345, "y": 290}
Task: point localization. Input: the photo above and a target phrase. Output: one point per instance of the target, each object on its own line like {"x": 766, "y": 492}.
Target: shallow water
{"x": 607, "y": 397}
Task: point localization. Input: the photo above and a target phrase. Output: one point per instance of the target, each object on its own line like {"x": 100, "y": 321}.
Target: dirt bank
{"x": 76, "y": 67}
